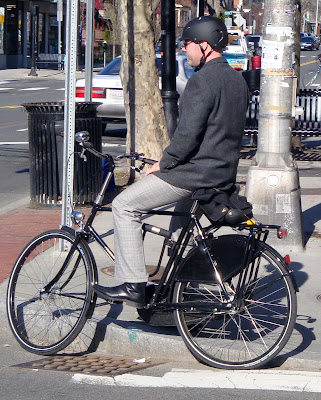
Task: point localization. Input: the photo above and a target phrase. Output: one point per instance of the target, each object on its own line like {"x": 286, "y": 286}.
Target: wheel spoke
{"x": 252, "y": 328}
{"x": 45, "y": 321}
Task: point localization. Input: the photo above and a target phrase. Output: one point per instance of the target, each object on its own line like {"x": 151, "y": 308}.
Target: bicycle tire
{"x": 246, "y": 336}
{"x": 46, "y": 323}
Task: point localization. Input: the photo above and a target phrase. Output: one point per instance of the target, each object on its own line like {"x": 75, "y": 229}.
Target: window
{"x": 2, "y": 19}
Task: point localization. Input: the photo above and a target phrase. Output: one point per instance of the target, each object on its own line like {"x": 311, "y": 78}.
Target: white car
{"x": 107, "y": 87}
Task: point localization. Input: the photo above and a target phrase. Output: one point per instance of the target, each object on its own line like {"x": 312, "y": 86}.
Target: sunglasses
{"x": 187, "y": 42}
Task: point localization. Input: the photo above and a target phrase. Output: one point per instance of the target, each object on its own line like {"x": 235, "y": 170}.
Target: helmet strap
{"x": 203, "y": 58}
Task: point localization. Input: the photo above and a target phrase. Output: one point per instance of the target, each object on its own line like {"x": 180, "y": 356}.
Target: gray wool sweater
{"x": 205, "y": 148}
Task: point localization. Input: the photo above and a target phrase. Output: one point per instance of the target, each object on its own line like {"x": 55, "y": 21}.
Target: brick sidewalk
{"x": 18, "y": 227}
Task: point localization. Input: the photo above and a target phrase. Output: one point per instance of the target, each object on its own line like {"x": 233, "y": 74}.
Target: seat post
{"x": 194, "y": 207}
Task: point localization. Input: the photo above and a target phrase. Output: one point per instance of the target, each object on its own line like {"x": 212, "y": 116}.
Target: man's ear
{"x": 204, "y": 45}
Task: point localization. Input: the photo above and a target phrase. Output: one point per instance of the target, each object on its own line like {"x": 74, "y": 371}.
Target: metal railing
{"x": 305, "y": 125}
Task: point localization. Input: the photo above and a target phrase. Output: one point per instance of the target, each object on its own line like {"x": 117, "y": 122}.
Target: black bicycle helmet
{"x": 210, "y": 29}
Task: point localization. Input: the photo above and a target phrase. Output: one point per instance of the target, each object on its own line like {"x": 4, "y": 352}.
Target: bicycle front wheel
{"x": 258, "y": 323}
{"x": 46, "y": 319}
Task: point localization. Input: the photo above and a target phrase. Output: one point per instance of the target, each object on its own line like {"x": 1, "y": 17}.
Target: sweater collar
{"x": 217, "y": 60}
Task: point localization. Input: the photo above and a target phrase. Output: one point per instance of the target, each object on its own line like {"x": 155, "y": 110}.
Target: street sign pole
{"x": 69, "y": 111}
{"x": 89, "y": 50}
{"x": 169, "y": 92}
{"x": 59, "y": 20}
{"x": 273, "y": 180}
{"x": 200, "y": 8}
{"x": 33, "y": 71}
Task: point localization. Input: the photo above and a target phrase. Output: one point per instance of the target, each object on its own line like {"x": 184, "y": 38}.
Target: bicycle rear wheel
{"x": 255, "y": 328}
{"x": 46, "y": 321}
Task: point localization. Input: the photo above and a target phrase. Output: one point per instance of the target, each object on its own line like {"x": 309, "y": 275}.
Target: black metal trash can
{"x": 45, "y": 126}
{"x": 253, "y": 78}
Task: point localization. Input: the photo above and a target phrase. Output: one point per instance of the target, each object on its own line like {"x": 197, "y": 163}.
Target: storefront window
{"x": 39, "y": 29}
{"x": 53, "y": 35}
{"x": 41, "y": 42}
{"x": 12, "y": 29}
{"x": 2, "y": 17}
{"x": 20, "y": 13}
{"x": 28, "y": 34}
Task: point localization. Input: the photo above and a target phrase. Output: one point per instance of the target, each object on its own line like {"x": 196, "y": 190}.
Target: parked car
{"x": 309, "y": 43}
{"x": 107, "y": 88}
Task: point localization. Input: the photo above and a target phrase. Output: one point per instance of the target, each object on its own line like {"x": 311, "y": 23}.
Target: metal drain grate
{"x": 89, "y": 364}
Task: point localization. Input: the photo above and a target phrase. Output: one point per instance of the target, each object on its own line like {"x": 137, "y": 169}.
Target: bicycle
{"x": 311, "y": 76}
{"x": 233, "y": 309}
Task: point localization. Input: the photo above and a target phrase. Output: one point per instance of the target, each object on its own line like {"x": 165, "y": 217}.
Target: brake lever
{"x": 139, "y": 170}
{"x": 82, "y": 155}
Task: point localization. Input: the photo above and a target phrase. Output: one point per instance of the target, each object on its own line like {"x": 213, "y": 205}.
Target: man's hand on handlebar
{"x": 154, "y": 168}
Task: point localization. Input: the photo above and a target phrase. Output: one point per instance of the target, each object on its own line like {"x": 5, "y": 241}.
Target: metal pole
{"x": 105, "y": 52}
{"x": 59, "y": 19}
{"x": 200, "y": 8}
{"x": 69, "y": 111}
{"x": 273, "y": 181}
{"x": 250, "y": 17}
{"x": 316, "y": 18}
{"x": 79, "y": 39}
{"x": 89, "y": 50}
{"x": 33, "y": 71}
{"x": 169, "y": 93}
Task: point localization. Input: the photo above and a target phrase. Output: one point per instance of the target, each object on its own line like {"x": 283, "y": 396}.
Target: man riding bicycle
{"x": 203, "y": 153}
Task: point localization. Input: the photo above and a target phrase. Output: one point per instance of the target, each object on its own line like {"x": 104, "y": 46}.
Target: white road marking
{"x": 3, "y": 82}
{"x": 296, "y": 381}
{"x": 113, "y": 145}
{"x": 61, "y": 88}
{"x": 25, "y": 129}
{"x": 33, "y": 88}
{"x": 22, "y": 130}
{"x": 6, "y": 88}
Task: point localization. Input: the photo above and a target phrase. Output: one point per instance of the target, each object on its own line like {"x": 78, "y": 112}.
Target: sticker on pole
{"x": 283, "y": 203}
{"x": 272, "y": 54}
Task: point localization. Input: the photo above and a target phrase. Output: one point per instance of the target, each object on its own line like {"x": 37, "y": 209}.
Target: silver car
{"x": 107, "y": 87}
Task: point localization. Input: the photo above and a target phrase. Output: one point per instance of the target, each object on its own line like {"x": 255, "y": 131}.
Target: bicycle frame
{"x": 163, "y": 292}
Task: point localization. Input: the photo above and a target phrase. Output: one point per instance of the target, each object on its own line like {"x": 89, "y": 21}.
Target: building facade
{"x": 16, "y": 30}
{"x": 19, "y": 19}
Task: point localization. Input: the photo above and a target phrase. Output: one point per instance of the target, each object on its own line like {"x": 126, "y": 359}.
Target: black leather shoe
{"x": 132, "y": 293}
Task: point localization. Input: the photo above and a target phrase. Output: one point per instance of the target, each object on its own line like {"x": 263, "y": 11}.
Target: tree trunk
{"x": 146, "y": 124}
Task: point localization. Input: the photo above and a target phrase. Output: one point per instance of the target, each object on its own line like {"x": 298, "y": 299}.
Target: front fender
{"x": 68, "y": 229}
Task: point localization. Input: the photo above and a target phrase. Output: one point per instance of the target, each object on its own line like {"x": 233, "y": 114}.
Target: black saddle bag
{"x": 224, "y": 206}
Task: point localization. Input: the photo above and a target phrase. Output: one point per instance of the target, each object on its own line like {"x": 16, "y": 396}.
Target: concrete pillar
{"x": 273, "y": 179}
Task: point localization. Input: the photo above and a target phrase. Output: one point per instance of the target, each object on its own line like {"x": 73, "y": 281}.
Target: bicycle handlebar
{"x": 83, "y": 139}
{"x": 138, "y": 157}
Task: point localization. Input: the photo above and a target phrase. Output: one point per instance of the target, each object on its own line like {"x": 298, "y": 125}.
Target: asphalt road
{"x": 309, "y": 66}
{"x": 165, "y": 381}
